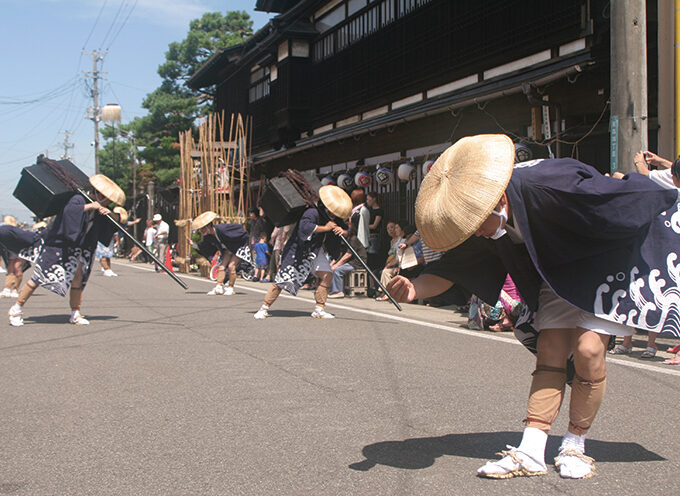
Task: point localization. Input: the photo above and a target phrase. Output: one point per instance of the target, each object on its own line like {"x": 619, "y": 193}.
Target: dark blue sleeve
{"x": 307, "y": 224}
{"x": 72, "y": 222}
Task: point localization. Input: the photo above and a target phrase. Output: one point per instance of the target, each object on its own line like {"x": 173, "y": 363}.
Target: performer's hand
{"x": 330, "y": 225}
{"x": 95, "y": 205}
{"x": 103, "y": 211}
{"x": 339, "y": 231}
{"x": 401, "y": 289}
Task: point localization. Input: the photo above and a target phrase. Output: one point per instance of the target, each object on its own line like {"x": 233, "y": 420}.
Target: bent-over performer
{"x": 65, "y": 258}
{"x": 231, "y": 240}
{"x": 593, "y": 256}
{"x": 309, "y": 247}
{"x": 13, "y": 242}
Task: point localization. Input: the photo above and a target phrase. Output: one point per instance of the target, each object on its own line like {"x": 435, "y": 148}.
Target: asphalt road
{"x": 174, "y": 393}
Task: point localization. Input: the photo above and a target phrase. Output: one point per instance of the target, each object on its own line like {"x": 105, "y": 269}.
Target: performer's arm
{"x": 425, "y": 286}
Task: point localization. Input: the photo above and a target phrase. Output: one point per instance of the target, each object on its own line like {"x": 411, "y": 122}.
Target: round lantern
{"x": 406, "y": 171}
{"x": 345, "y": 181}
{"x": 522, "y": 152}
{"x": 362, "y": 180}
{"x": 328, "y": 181}
{"x": 383, "y": 176}
{"x": 427, "y": 165}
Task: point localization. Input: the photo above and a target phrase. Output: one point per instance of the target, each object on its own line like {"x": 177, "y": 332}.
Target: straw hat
{"x": 203, "y": 220}
{"x": 39, "y": 225}
{"x": 462, "y": 188}
{"x": 9, "y": 220}
{"x": 336, "y": 200}
{"x": 123, "y": 214}
{"x": 108, "y": 188}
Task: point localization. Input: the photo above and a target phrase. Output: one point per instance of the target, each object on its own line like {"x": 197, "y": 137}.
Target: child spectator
{"x": 261, "y": 259}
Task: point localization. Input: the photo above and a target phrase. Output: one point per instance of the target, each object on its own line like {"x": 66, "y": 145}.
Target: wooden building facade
{"x": 349, "y": 85}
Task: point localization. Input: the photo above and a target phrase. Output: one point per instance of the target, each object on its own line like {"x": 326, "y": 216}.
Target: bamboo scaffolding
{"x": 214, "y": 175}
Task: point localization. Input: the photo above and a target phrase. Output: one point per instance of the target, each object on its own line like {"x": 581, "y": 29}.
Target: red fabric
{"x": 168, "y": 259}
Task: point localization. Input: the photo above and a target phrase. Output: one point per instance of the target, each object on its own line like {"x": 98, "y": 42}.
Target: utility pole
{"x": 67, "y": 146}
{"x": 628, "y": 124}
{"x": 97, "y": 57}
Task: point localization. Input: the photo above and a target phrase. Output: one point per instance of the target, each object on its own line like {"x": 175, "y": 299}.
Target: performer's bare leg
{"x": 16, "y": 317}
{"x": 17, "y": 268}
{"x": 221, "y": 276}
{"x": 231, "y": 266}
{"x": 269, "y": 299}
{"x": 321, "y": 295}
{"x": 76, "y": 298}
{"x": 106, "y": 265}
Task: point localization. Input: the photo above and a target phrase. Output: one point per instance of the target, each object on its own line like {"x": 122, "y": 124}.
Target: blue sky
{"x": 43, "y": 91}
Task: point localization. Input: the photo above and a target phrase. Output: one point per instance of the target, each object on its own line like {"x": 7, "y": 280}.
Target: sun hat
{"x": 203, "y": 220}
{"x": 462, "y": 188}
{"x": 157, "y": 218}
{"x": 336, "y": 200}
{"x": 123, "y": 214}
{"x": 108, "y": 188}
{"x": 9, "y": 220}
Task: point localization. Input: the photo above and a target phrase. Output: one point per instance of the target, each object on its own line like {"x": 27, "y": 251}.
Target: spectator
{"x": 374, "y": 202}
{"x": 161, "y": 237}
{"x": 412, "y": 240}
{"x": 278, "y": 241}
{"x": 361, "y": 216}
{"x": 261, "y": 259}
{"x": 391, "y": 268}
{"x": 346, "y": 263}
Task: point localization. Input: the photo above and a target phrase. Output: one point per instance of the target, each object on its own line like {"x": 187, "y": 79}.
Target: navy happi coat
{"x": 15, "y": 242}
{"x": 70, "y": 240}
{"x": 607, "y": 246}
{"x": 231, "y": 237}
{"x": 299, "y": 254}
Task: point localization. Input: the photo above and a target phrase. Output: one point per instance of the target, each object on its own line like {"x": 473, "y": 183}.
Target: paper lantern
{"x": 345, "y": 181}
{"x": 383, "y": 176}
{"x": 362, "y": 180}
{"x": 427, "y": 165}
{"x": 111, "y": 113}
{"x": 406, "y": 171}
{"x": 328, "y": 181}
{"x": 522, "y": 152}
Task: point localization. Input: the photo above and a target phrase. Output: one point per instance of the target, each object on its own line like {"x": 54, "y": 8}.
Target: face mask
{"x": 500, "y": 231}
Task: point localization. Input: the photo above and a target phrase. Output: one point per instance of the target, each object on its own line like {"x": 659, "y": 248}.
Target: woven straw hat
{"x": 123, "y": 214}
{"x": 108, "y": 188}
{"x": 203, "y": 220}
{"x": 336, "y": 200}
{"x": 9, "y": 220}
{"x": 462, "y": 188}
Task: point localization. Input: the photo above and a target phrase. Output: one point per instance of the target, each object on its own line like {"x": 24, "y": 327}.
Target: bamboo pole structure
{"x": 214, "y": 175}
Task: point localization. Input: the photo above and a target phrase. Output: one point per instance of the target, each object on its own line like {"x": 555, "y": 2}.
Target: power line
{"x": 94, "y": 26}
{"x": 122, "y": 25}
{"x": 115, "y": 18}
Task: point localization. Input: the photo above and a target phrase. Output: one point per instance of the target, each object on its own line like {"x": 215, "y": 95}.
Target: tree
{"x": 172, "y": 106}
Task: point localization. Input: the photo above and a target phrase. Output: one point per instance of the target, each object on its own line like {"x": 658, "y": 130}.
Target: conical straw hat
{"x": 462, "y": 188}
{"x": 123, "y": 214}
{"x": 108, "y": 188}
{"x": 336, "y": 200}
{"x": 203, "y": 220}
{"x": 9, "y": 220}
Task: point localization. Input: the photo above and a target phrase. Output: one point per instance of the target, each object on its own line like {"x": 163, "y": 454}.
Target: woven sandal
{"x": 563, "y": 460}
{"x": 519, "y": 468}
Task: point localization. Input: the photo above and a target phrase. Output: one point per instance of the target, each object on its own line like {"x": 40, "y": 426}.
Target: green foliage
{"x": 172, "y": 107}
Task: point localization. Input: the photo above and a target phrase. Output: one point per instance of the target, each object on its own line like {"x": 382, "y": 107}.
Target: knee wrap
{"x": 545, "y": 396}
{"x": 586, "y": 397}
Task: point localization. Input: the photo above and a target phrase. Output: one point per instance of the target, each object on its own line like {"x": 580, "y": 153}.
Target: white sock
{"x": 264, "y": 307}
{"x": 16, "y": 308}
{"x": 533, "y": 443}
{"x": 574, "y": 441}
{"x": 318, "y": 308}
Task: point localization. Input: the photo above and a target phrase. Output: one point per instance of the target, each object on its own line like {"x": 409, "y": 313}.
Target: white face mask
{"x": 500, "y": 230}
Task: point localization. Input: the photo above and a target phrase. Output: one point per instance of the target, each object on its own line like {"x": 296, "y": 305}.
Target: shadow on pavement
{"x": 63, "y": 319}
{"x": 419, "y": 453}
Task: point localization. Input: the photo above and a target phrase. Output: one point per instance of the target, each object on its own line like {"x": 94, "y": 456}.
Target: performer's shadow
{"x": 63, "y": 319}
{"x": 419, "y": 453}
{"x": 288, "y": 313}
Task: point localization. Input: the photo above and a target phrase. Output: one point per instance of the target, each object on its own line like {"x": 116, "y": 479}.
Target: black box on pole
{"x": 282, "y": 203}
{"x": 42, "y": 192}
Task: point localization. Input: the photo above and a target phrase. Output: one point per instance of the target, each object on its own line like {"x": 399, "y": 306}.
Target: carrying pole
{"x": 138, "y": 243}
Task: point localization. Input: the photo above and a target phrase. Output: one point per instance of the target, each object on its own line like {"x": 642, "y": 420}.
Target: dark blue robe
{"x": 15, "y": 242}
{"x": 607, "y": 246}
{"x": 301, "y": 250}
{"x": 231, "y": 237}
{"x": 70, "y": 240}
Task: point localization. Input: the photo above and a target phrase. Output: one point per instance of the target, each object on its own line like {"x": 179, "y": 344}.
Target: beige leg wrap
{"x": 75, "y": 298}
{"x": 106, "y": 263}
{"x": 221, "y": 274}
{"x": 272, "y": 295}
{"x": 232, "y": 278}
{"x": 17, "y": 281}
{"x": 586, "y": 398}
{"x": 321, "y": 295}
{"x": 26, "y": 292}
{"x": 545, "y": 396}
{"x": 9, "y": 281}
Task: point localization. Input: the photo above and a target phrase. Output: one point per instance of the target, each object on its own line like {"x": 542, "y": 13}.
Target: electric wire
{"x": 113, "y": 22}
{"x": 95, "y": 25}
{"x": 122, "y": 25}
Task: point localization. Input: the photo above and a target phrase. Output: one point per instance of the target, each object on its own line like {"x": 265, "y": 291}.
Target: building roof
{"x": 274, "y": 5}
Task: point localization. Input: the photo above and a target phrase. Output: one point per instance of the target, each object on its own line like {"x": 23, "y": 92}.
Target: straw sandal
{"x": 572, "y": 463}
{"x": 513, "y": 463}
